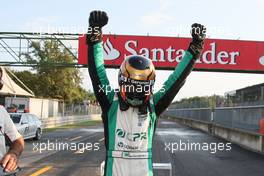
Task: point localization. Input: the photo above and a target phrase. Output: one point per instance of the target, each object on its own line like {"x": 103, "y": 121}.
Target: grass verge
{"x": 74, "y": 125}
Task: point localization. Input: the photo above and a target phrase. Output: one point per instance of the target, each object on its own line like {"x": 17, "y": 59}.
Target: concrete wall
{"x": 39, "y": 107}
{"x": 43, "y": 108}
{"x": 250, "y": 140}
{"x": 247, "y": 139}
{"x": 53, "y": 108}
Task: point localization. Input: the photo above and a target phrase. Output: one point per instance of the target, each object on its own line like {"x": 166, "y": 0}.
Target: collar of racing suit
{"x": 143, "y": 109}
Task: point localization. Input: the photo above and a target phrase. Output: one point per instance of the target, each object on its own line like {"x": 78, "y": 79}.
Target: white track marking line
{"x": 82, "y": 150}
{"x": 100, "y": 140}
{"x": 78, "y": 137}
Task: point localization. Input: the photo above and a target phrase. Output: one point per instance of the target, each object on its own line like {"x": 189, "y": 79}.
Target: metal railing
{"x": 81, "y": 110}
{"x": 241, "y": 117}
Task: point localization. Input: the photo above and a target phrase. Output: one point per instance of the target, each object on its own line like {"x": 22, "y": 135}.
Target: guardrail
{"x": 242, "y": 117}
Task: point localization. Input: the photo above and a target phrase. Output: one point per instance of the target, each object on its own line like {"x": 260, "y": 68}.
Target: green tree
{"x": 201, "y": 102}
{"x": 52, "y": 81}
{"x": 29, "y": 79}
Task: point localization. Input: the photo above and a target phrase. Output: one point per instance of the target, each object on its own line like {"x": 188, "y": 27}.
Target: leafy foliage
{"x": 48, "y": 81}
{"x": 203, "y": 102}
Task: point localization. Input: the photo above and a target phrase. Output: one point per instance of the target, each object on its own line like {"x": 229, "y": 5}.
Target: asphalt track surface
{"x": 193, "y": 162}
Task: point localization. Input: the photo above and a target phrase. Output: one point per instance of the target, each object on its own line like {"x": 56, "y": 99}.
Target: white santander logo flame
{"x": 110, "y": 53}
{"x": 261, "y": 60}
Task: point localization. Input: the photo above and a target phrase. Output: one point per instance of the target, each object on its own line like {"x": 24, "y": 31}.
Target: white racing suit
{"x": 128, "y": 133}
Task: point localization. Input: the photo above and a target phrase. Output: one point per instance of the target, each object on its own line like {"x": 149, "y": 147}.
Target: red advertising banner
{"x": 167, "y": 52}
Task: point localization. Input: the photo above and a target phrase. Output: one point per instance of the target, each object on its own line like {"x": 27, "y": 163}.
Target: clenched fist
{"x": 198, "y": 33}
{"x": 98, "y": 19}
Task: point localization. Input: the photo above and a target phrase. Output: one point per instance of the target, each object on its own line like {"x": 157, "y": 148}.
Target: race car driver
{"x": 129, "y": 115}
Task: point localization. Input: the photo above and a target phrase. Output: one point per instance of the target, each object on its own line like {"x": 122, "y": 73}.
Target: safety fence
{"x": 249, "y": 118}
{"x": 80, "y": 109}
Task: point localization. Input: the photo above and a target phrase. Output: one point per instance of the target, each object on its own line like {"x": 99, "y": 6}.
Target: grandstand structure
{"x": 252, "y": 95}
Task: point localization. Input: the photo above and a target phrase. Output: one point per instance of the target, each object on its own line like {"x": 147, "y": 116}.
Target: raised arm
{"x": 171, "y": 87}
{"x": 101, "y": 86}
{"x": 14, "y": 139}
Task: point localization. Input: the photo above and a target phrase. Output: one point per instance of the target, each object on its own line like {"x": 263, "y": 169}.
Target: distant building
{"x": 249, "y": 94}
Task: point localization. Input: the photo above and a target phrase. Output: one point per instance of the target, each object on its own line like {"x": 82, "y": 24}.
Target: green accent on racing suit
{"x": 129, "y": 134}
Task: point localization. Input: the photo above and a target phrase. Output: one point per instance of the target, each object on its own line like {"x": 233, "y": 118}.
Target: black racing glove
{"x": 198, "y": 32}
{"x": 97, "y": 20}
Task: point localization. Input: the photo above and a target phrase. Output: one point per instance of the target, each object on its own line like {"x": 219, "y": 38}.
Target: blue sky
{"x": 226, "y": 19}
